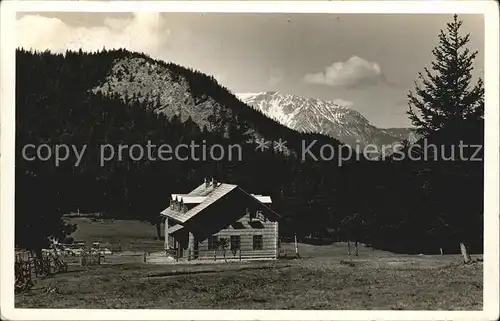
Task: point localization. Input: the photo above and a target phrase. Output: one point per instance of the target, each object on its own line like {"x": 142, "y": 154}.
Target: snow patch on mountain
{"x": 320, "y": 116}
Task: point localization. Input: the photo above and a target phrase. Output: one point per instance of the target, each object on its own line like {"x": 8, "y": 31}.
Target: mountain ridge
{"x": 176, "y": 91}
{"x": 325, "y": 117}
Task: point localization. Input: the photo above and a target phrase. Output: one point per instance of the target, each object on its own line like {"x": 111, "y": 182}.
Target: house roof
{"x": 190, "y": 199}
{"x": 205, "y": 196}
{"x": 217, "y": 193}
{"x": 176, "y": 215}
{"x": 174, "y": 228}
{"x": 263, "y": 199}
{"x": 267, "y": 207}
{"x": 203, "y": 189}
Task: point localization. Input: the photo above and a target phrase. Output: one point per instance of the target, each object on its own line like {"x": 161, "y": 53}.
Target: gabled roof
{"x": 205, "y": 196}
{"x": 188, "y": 199}
{"x": 176, "y": 215}
{"x": 191, "y": 199}
{"x": 217, "y": 193}
{"x": 202, "y": 189}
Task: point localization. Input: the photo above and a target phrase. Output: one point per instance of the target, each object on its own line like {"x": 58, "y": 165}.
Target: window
{"x": 257, "y": 242}
{"x": 212, "y": 242}
{"x": 235, "y": 242}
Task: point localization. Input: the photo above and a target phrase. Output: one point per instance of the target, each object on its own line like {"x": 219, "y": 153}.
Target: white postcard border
{"x": 491, "y": 178}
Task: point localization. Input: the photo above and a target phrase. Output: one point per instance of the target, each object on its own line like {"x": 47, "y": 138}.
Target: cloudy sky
{"x": 366, "y": 61}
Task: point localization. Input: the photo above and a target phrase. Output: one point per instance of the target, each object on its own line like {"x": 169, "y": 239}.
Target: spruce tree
{"x": 445, "y": 109}
{"x": 446, "y": 97}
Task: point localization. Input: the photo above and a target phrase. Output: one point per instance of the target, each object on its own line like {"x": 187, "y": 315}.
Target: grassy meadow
{"x": 321, "y": 279}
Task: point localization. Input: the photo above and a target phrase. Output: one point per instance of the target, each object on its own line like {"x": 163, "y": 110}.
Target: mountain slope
{"x": 325, "y": 117}
{"x": 403, "y": 133}
{"x": 174, "y": 90}
{"x": 147, "y": 80}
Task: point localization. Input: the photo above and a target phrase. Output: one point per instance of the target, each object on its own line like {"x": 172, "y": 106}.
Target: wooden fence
{"x": 232, "y": 255}
{"x": 244, "y": 251}
{"x": 91, "y": 258}
{"x": 27, "y": 267}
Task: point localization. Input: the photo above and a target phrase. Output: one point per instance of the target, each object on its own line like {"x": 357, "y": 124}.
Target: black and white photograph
{"x": 250, "y": 160}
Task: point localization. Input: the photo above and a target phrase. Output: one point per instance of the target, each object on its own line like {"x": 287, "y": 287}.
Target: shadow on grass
{"x": 179, "y": 273}
{"x": 288, "y": 258}
{"x": 318, "y": 241}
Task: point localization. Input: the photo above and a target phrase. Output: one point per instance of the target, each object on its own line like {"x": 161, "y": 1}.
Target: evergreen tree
{"x": 448, "y": 111}
{"x": 446, "y": 98}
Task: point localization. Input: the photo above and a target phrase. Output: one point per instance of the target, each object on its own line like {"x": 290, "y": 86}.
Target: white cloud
{"x": 142, "y": 33}
{"x": 354, "y": 72}
{"x": 343, "y": 103}
{"x": 276, "y": 76}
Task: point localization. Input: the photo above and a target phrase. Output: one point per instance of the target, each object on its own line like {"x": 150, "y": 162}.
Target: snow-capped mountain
{"x": 325, "y": 117}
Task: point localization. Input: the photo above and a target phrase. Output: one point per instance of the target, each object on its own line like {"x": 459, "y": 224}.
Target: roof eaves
{"x": 267, "y": 207}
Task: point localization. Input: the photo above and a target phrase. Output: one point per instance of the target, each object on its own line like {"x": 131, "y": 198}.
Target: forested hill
{"x": 173, "y": 90}
{"x": 62, "y": 99}
{"x": 118, "y": 97}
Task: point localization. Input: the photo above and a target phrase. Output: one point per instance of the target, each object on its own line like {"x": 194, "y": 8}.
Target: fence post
{"x": 296, "y": 247}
